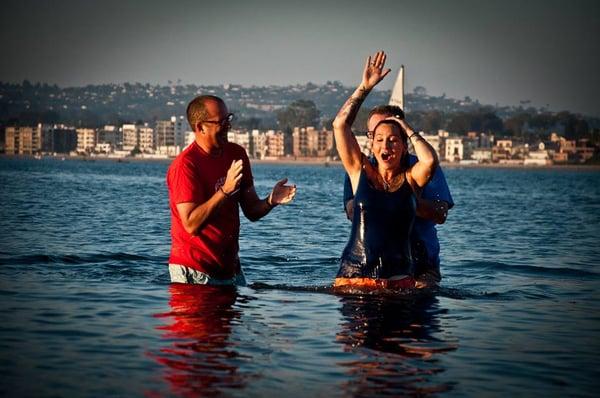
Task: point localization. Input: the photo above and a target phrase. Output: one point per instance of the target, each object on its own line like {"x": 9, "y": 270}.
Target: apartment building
{"x": 170, "y": 136}
{"x": 23, "y": 140}
{"x": 59, "y": 138}
{"x": 130, "y": 137}
{"x": 86, "y": 140}
{"x": 274, "y": 142}
{"x": 146, "y": 138}
{"x": 111, "y": 135}
{"x": 307, "y": 141}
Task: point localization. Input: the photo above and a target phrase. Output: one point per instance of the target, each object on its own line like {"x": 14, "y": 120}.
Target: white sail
{"x": 397, "y": 97}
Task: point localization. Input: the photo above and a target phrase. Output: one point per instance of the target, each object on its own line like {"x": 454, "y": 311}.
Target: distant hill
{"x": 97, "y": 105}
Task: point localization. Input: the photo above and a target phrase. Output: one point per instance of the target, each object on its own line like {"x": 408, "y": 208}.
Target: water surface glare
{"x": 87, "y": 309}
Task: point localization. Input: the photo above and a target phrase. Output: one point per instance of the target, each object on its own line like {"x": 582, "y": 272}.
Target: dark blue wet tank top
{"x": 379, "y": 244}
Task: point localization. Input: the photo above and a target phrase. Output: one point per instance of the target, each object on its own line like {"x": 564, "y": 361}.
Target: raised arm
{"x": 345, "y": 142}
{"x": 421, "y": 171}
{"x": 435, "y": 199}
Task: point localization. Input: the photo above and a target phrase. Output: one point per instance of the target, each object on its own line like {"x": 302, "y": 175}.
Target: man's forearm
{"x": 260, "y": 209}
{"x": 432, "y": 210}
{"x": 201, "y": 214}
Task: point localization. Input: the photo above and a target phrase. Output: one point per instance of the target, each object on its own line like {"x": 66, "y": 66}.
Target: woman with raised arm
{"x": 378, "y": 252}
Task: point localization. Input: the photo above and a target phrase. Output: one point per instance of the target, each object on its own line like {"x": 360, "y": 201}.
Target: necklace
{"x": 394, "y": 183}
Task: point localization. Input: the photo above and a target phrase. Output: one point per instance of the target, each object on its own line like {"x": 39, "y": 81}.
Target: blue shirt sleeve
{"x": 437, "y": 187}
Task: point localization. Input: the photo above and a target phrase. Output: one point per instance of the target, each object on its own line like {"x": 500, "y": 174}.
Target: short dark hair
{"x": 196, "y": 109}
{"x": 387, "y": 110}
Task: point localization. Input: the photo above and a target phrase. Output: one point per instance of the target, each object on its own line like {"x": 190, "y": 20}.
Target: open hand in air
{"x": 374, "y": 71}
{"x": 281, "y": 193}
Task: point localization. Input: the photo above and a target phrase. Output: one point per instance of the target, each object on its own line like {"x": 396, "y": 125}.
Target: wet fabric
{"x": 194, "y": 176}
{"x": 405, "y": 282}
{"x": 379, "y": 244}
{"x": 182, "y": 274}
{"x": 425, "y": 243}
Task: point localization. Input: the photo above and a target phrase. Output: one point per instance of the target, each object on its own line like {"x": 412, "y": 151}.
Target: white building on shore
{"x": 482, "y": 155}
{"x": 538, "y": 157}
{"x": 454, "y": 149}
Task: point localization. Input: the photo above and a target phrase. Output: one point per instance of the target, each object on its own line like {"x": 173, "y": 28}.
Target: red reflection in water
{"x": 200, "y": 359}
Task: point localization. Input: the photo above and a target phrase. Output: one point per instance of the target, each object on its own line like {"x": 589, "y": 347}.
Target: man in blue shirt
{"x": 432, "y": 208}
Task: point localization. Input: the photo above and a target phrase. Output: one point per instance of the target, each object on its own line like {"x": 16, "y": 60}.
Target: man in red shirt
{"x": 207, "y": 182}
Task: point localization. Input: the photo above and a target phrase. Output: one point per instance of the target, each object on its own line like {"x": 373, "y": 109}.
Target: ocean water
{"x": 87, "y": 308}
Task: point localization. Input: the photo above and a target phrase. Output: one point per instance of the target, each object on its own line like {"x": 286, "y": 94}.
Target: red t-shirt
{"x": 195, "y": 176}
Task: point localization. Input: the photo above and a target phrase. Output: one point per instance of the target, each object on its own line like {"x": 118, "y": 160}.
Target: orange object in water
{"x": 372, "y": 283}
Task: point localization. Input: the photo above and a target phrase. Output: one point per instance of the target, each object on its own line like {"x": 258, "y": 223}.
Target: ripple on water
{"x": 87, "y": 308}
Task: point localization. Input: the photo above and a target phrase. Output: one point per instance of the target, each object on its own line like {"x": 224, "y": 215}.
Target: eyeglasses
{"x": 226, "y": 120}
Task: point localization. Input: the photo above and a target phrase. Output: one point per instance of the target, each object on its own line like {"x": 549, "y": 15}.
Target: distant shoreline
{"x": 445, "y": 165}
{"x": 316, "y": 162}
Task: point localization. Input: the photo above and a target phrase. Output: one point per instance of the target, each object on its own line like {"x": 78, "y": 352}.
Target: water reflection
{"x": 200, "y": 359}
{"x": 397, "y": 342}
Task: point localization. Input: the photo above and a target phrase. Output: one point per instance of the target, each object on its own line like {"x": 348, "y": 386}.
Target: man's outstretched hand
{"x": 281, "y": 193}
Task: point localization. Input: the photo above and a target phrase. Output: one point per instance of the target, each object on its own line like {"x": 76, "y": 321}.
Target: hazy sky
{"x": 496, "y": 51}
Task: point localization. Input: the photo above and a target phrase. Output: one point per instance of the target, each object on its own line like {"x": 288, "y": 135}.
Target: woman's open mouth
{"x": 385, "y": 156}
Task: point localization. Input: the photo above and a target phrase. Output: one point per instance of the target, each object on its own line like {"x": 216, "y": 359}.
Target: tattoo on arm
{"x": 352, "y": 105}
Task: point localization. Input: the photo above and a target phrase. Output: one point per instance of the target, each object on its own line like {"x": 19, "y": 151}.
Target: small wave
{"x": 75, "y": 259}
{"x": 465, "y": 294}
{"x": 278, "y": 259}
{"x": 528, "y": 269}
{"x": 93, "y": 266}
{"x": 455, "y": 292}
{"x": 447, "y": 292}
{"x": 291, "y": 288}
